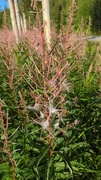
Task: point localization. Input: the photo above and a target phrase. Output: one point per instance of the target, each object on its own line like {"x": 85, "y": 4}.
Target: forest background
{"x": 59, "y": 10}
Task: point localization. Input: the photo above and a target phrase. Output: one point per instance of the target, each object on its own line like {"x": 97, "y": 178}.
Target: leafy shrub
{"x": 50, "y": 113}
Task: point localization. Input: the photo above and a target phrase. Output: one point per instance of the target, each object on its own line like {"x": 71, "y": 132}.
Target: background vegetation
{"x": 86, "y": 11}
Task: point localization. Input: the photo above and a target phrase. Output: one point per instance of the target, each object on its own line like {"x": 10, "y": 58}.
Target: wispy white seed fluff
{"x": 45, "y": 124}
{"x": 35, "y": 107}
{"x": 56, "y": 126}
{"x": 30, "y": 107}
{"x": 42, "y": 115}
{"x": 52, "y": 109}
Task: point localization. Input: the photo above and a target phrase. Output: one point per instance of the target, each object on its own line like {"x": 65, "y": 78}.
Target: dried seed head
{"x": 52, "y": 110}
{"x": 36, "y": 107}
{"x": 45, "y": 124}
{"x": 65, "y": 85}
{"x": 30, "y": 107}
{"x": 76, "y": 122}
{"x": 56, "y": 126}
{"x": 42, "y": 115}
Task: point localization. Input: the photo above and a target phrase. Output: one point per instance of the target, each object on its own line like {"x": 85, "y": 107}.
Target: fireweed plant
{"x": 49, "y": 108}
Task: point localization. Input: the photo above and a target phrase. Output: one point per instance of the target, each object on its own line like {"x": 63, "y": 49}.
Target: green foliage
{"x": 5, "y": 18}
{"x": 83, "y": 104}
{"x": 1, "y": 19}
{"x": 30, "y": 12}
{"x": 75, "y": 149}
{"x": 96, "y": 16}
{"x": 60, "y": 12}
{"x": 86, "y": 10}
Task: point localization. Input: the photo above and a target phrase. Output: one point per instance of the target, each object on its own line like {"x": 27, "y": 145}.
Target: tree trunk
{"x": 18, "y": 16}
{"x": 46, "y": 22}
{"x": 24, "y": 22}
{"x": 13, "y": 19}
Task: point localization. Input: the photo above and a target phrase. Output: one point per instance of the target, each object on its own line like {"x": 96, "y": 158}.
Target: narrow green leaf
{"x": 49, "y": 168}
{"x": 67, "y": 164}
{"x": 42, "y": 155}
